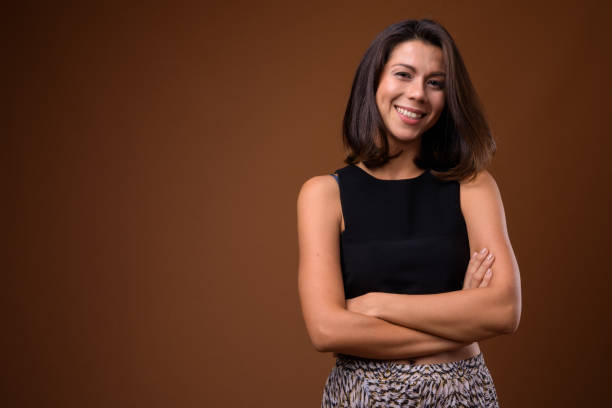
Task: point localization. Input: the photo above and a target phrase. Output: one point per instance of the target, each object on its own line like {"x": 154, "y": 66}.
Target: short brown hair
{"x": 457, "y": 146}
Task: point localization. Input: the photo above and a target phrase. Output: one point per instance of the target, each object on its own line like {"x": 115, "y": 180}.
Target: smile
{"x": 410, "y": 114}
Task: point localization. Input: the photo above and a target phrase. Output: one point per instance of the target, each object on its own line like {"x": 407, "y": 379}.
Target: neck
{"x": 402, "y": 166}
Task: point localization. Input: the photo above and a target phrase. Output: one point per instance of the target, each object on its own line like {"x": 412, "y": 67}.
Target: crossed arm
{"x": 389, "y": 326}
{"x": 465, "y": 315}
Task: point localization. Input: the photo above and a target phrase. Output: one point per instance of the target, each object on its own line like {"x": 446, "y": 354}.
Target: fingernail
{"x": 474, "y": 254}
{"x": 489, "y": 257}
{"x": 488, "y": 272}
{"x": 483, "y": 250}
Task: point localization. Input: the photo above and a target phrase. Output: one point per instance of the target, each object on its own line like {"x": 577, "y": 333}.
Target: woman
{"x": 386, "y": 279}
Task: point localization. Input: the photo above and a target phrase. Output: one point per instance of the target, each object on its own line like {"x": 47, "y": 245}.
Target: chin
{"x": 408, "y": 136}
{"x": 407, "y": 139}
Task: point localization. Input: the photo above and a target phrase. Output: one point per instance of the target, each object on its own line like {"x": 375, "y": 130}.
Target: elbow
{"x": 326, "y": 333}
{"x": 317, "y": 339}
{"x": 511, "y": 318}
{"x": 321, "y": 338}
{"x": 319, "y": 342}
{"x": 506, "y": 311}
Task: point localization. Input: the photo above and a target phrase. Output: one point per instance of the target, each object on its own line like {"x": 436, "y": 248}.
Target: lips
{"x": 409, "y": 112}
{"x": 408, "y": 108}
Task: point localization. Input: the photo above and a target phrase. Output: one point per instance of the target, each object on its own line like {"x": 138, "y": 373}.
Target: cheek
{"x": 439, "y": 103}
{"x": 384, "y": 90}
{"x": 381, "y": 99}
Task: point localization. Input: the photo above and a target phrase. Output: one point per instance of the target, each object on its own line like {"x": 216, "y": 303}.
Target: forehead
{"x": 422, "y": 56}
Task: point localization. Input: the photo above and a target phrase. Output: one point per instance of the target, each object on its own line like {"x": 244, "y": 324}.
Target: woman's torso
{"x": 430, "y": 234}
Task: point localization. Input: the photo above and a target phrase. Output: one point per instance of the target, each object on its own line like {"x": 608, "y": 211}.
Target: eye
{"x": 403, "y": 74}
{"x": 437, "y": 84}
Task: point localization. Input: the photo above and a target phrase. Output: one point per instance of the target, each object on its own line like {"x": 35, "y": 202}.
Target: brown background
{"x": 153, "y": 160}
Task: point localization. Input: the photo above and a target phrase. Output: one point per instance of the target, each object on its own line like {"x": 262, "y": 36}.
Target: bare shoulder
{"x": 480, "y": 191}
{"x": 483, "y": 180}
{"x": 318, "y": 203}
{"x": 319, "y": 188}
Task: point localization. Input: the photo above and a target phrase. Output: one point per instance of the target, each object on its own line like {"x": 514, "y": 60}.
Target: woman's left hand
{"x": 365, "y": 304}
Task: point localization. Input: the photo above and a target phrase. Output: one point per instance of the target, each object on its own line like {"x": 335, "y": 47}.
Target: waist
{"x": 469, "y": 351}
{"x": 463, "y": 353}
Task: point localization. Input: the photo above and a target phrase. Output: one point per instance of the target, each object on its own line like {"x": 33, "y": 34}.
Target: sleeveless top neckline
{"x": 412, "y": 179}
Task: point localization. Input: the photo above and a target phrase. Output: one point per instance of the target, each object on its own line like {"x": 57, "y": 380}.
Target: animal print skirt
{"x": 365, "y": 383}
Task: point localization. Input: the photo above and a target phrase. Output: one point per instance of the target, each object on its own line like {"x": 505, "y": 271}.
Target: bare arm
{"x": 331, "y": 327}
{"x": 471, "y": 314}
{"x": 364, "y": 336}
{"x": 459, "y": 315}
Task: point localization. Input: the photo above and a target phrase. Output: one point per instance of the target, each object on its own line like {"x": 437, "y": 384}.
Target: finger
{"x": 482, "y": 268}
{"x": 487, "y": 278}
{"x": 473, "y": 267}
{"x": 475, "y": 260}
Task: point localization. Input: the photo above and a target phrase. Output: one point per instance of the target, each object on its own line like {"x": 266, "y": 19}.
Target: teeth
{"x": 409, "y": 113}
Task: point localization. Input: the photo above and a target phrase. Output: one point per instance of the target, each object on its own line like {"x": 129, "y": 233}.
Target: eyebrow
{"x": 436, "y": 73}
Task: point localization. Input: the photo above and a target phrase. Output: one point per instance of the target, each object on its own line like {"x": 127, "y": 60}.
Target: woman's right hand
{"x": 479, "y": 272}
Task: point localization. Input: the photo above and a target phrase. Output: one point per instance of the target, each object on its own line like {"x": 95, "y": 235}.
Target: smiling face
{"x": 410, "y": 95}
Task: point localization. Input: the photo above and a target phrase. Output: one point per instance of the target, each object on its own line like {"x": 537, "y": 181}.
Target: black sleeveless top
{"x": 401, "y": 236}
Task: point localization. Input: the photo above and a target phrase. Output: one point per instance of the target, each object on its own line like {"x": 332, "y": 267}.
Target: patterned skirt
{"x": 365, "y": 383}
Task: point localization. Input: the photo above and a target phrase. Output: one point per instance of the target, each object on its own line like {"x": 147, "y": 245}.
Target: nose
{"x": 415, "y": 91}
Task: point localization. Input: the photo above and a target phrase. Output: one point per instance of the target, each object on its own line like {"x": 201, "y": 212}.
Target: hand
{"x": 476, "y": 274}
{"x": 364, "y": 304}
